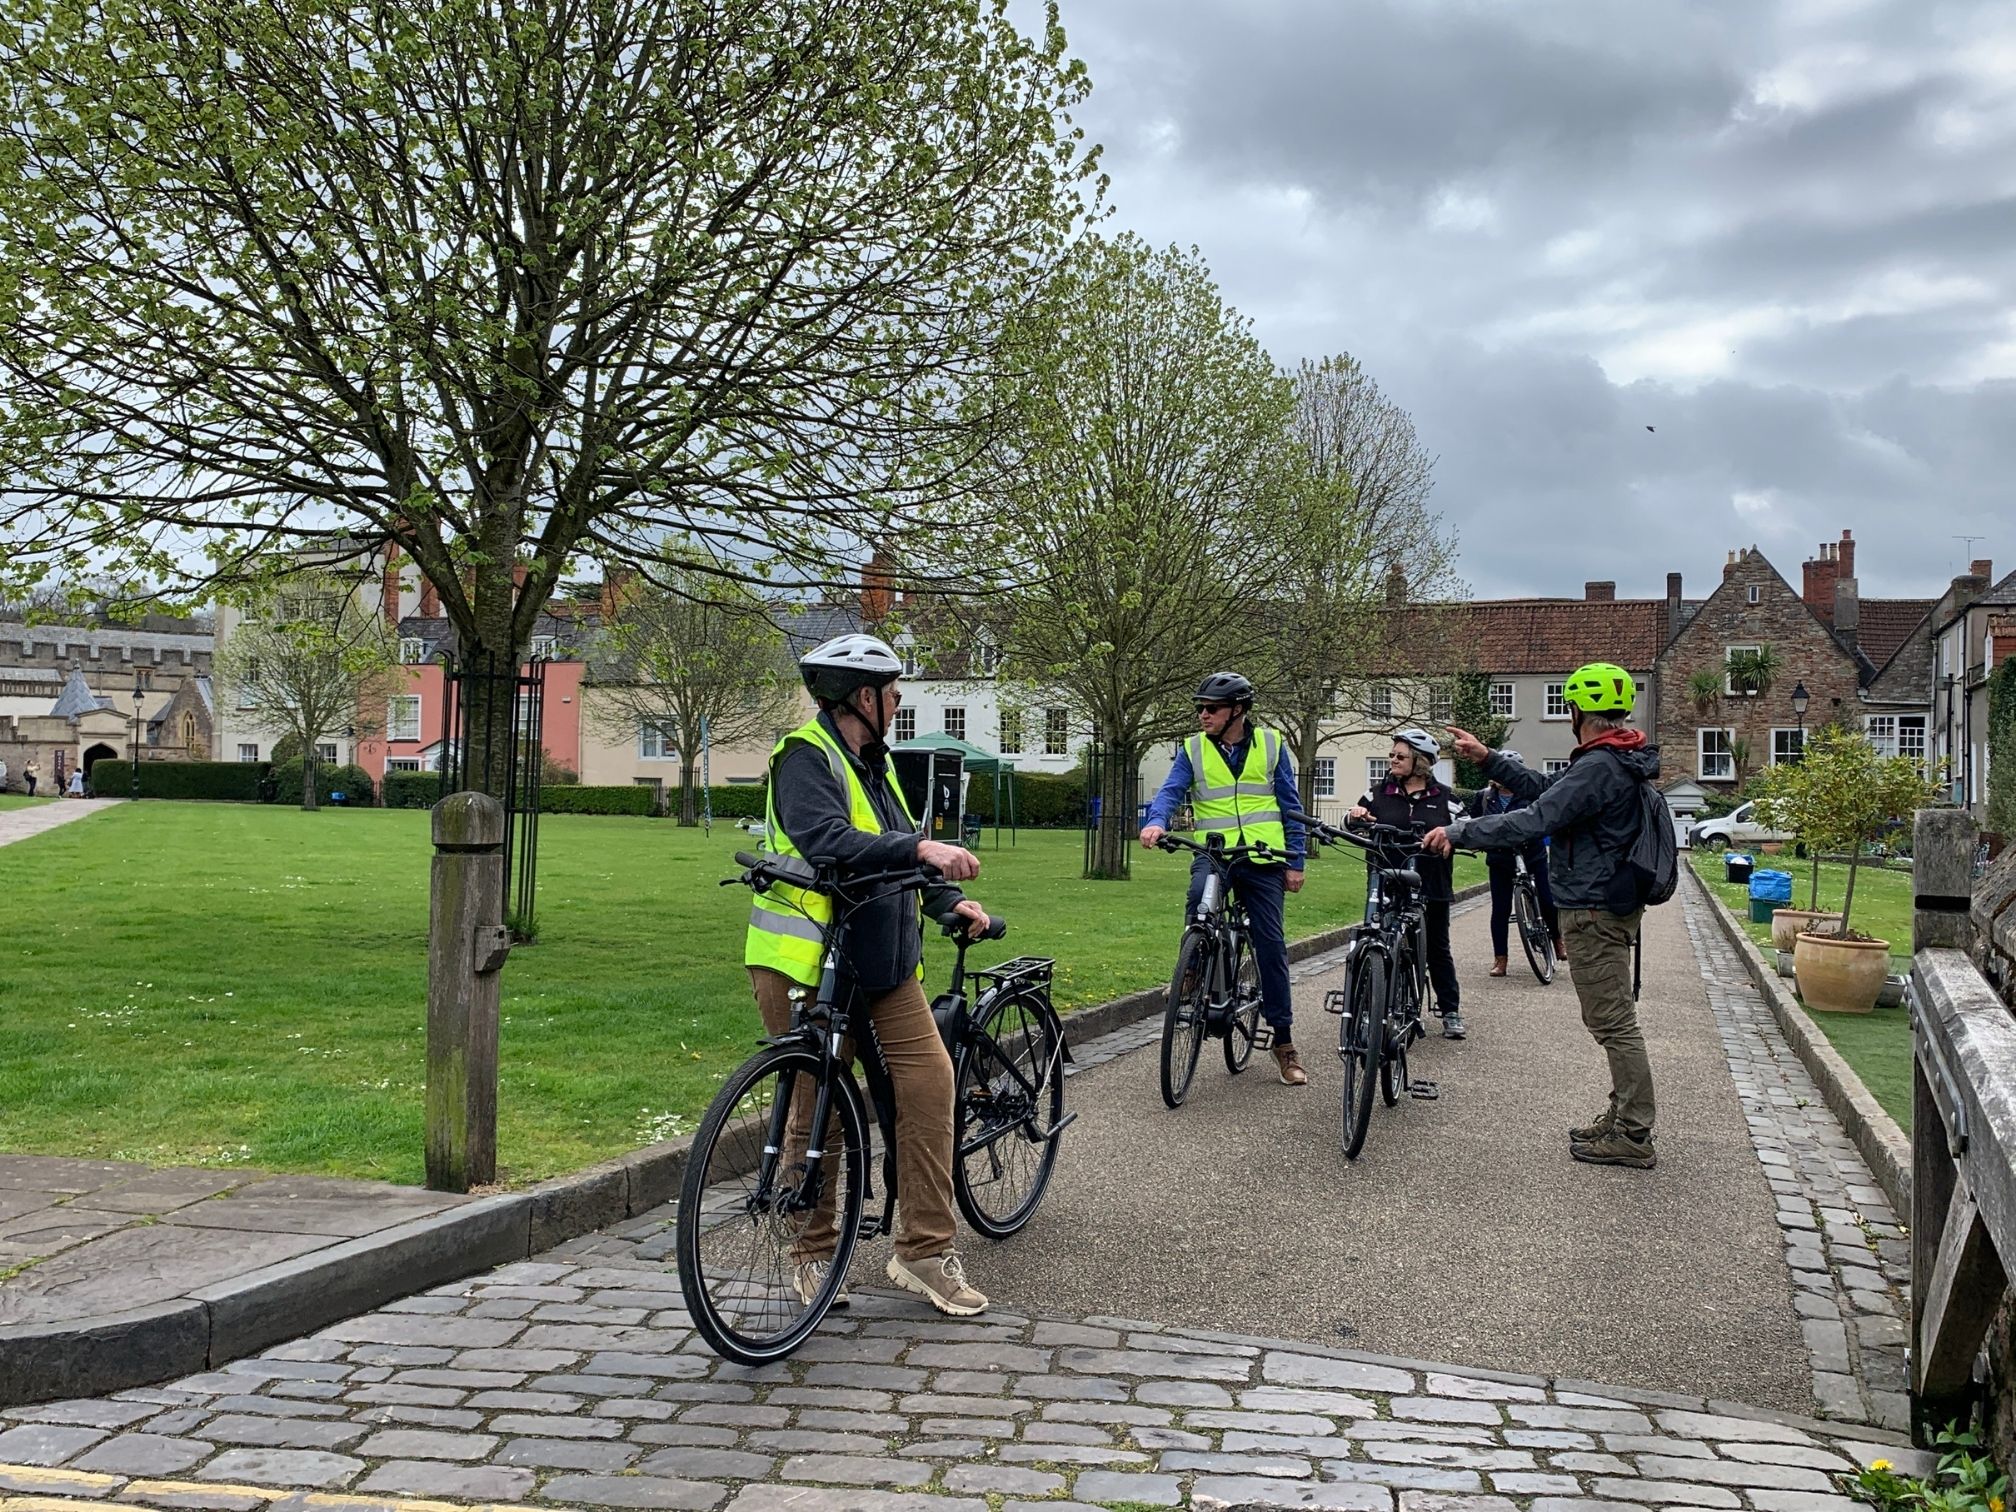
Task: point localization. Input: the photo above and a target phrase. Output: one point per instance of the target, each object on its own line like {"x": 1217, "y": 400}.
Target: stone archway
{"x": 95, "y": 754}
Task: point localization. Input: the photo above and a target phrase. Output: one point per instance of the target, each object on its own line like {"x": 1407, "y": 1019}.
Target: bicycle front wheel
{"x": 1010, "y": 1077}
{"x": 1403, "y": 1014}
{"x": 1533, "y": 936}
{"x": 753, "y": 1210}
{"x": 1183, "y": 1016}
{"x": 1361, "y": 1039}
{"x": 1245, "y": 1025}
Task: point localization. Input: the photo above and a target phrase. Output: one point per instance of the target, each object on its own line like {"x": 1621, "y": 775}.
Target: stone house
{"x": 1971, "y": 631}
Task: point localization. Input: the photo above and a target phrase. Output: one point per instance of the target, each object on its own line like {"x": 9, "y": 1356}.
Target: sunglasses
{"x": 1217, "y": 708}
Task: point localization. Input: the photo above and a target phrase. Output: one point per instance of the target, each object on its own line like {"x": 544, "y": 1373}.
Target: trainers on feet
{"x": 811, "y": 1276}
{"x": 939, "y": 1280}
{"x": 1595, "y": 1129}
{"x": 1452, "y": 1025}
{"x": 1617, "y": 1148}
{"x": 1290, "y": 1064}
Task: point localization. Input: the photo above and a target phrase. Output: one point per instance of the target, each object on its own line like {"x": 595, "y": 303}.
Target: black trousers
{"x": 1441, "y": 962}
{"x": 1501, "y": 900}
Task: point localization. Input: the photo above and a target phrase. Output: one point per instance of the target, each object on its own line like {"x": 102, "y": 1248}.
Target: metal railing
{"x": 495, "y": 743}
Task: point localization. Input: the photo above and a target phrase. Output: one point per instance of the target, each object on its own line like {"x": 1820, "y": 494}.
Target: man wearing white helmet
{"x": 833, "y": 793}
{"x": 1412, "y": 797}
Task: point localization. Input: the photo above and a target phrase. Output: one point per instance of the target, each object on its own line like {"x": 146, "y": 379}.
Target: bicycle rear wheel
{"x": 1403, "y": 1012}
{"x": 1183, "y": 1016}
{"x": 746, "y": 1219}
{"x": 1010, "y": 1079}
{"x": 1533, "y": 936}
{"x": 1361, "y": 1040}
{"x": 1245, "y": 1025}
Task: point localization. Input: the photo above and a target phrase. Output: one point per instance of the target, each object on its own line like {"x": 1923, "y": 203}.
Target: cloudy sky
{"x": 1782, "y": 233}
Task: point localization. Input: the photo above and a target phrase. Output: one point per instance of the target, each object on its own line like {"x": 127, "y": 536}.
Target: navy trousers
{"x": 1263, "y": 890}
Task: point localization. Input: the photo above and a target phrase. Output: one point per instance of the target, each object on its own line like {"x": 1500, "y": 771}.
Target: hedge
{"x": 353, "y": 782}
{"x": 411, "y": 790}
{"x": 574, "y": 799}
{"x": 224, "y": 781}
{"x": 1042, "y": 801}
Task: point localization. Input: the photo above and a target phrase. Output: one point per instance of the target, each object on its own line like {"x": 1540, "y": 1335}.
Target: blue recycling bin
{"x": 1771, "y": 886}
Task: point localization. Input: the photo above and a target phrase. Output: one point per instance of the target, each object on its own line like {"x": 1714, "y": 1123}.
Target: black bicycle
{"x": 769, "y": 1216}
{"x": 1535, "y": 938}
{"x": 1386, "y": 971}
{"x": 1215, "y": 993}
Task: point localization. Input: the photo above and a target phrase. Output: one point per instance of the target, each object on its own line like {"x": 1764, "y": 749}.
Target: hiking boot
{"x": 1596, "y": 1129}
{"x": 811, "y": 1276}
{"x": 1452, "y": 1025}
{"x": 1290, "y": 1064}
{"x": 1497, "y": 966}
{"x": 1617, "y": 1148}
{"x": 939, "y": 1280}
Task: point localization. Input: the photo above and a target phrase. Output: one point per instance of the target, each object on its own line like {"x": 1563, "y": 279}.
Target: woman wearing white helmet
{"x": 833, "y": 793}
{"x": 1412, "y": 797}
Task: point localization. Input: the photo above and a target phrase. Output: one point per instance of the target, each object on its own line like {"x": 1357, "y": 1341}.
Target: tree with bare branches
{"x": 508, "y": 286}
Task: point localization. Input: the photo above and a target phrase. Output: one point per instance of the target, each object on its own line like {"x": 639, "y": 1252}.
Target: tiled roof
{"x": 2002, "y": 595}
{"x": 1886, "y": 624}
{"x": 1527, "y": 637}
{"x": 77, "y": 698}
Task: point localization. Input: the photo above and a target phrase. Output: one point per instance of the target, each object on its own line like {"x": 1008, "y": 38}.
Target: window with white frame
{"x": 544, "y": 647}
{"x": 1556, "y": 706}
{"x": 248, "y": 753}
{"x": 1375, "y": 770}
{"x": 954, "y": 721}
{"x": 1715, "y": 753}
{"x": 913, "y": 659}
{"x": 1441, "y": 705}
{"x": 1756, "y": 593}
{"x": 412, "y": 649}
{"x": 402, "y": 764}
{"x": 905, "y": 726}
{"x": 1379, "y": 704}
{"x": 1787, "y": 745}
{"x": 1505, "y": 700}
{"x": 402, "y": 717}
{"x": 1056, "y": 732}
{"x": 1011, "y": 732}
{"x": 1554, "y": 766}
{"x": 1729, "y": 654}
{"x": 1323, "y": 776}
{"x": 326, "y": 751}
{"x": 248, "y": 690}
{"x": 1898, "y": 735}
{"x": 986, "y": 658}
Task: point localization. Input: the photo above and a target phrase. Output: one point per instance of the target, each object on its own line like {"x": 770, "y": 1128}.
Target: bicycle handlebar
{"x": 1226, "y": 853}
{"x": 759, "y": 872}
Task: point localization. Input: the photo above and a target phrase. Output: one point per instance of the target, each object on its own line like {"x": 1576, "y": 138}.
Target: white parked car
{"x": 1737, "y": 830}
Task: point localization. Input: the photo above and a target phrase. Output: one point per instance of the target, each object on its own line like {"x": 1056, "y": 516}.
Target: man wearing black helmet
{"x": 1241, "y": 784}
{"x": 833, "y": 793}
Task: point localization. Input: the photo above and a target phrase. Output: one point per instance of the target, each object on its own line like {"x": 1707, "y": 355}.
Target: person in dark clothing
{"x": 1412, "y": 798}
{"x": 1502, "y": 867}
{"x": 1592, "y": 812}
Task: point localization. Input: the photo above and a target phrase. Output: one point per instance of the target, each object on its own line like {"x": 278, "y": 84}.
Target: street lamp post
{"x": 136, "y": 735}
{"x": 1800, "y": 698}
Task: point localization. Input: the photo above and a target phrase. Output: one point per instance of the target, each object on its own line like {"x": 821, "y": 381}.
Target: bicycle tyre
{"x": 1245, "y": 1025}
{"x": 1402, "y": 1012}
{"x": 1183, "y": 1016}
{"x": 750, "y": 1312}
{"x": 998, "y": 1123}
{"x": 1361, "y": 1041}
{"x": 1533, "y": 936}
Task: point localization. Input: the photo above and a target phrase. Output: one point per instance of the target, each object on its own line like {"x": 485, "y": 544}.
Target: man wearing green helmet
{"x": 1592, "y": 811}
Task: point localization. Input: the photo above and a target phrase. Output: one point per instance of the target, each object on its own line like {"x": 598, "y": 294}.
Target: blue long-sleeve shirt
{"x": 1176, "y": 788}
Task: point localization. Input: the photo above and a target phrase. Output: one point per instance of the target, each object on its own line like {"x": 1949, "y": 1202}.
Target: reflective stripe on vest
{"x": 1241, "y": 807}
{"x": 787, "y": 924}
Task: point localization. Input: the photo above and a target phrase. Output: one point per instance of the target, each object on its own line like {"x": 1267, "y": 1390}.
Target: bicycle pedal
{"x": 1426, "y": 1091}
{"x": 1263, "y": 1036}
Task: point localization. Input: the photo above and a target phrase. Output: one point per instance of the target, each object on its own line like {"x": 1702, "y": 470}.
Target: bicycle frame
{"x": 1222, "y": 924}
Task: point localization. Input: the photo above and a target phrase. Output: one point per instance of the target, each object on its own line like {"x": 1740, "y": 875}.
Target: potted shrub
{"x": 1852, "y": 793}
{"x": 1783, "y": 795}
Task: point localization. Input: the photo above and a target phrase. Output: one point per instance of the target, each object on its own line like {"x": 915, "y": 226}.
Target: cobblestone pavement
{"x": 1848, "y": 1255}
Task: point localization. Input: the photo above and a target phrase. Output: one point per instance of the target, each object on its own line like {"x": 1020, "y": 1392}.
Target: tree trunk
{"x": 689, "y": 809}
{"x": 1848, "y": 898}
{"x": 1813, "y": 898}
{"x": 1118, "y": 829}
{"x": 311, "y": 801}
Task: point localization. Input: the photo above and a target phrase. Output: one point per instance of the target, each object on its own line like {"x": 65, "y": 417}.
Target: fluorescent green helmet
{"x": 1601, "y": 688}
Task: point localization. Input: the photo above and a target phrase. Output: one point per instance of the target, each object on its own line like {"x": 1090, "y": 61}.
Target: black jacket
{"x": 1591, "y": 810}
{"x": 884, "y": 943}
{"x": 1480, "y": 807}
{"x": 1391, "y": 803}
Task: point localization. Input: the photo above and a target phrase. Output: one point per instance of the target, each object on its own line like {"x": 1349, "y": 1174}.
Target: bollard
{"x": 1942, "y": 878}
{"x": 466, "y": 946}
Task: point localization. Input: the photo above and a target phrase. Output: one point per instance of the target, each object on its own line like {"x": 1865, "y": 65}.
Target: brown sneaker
{"x": 1619, "y": 1149}
{"x": 811, "y": 1276}
{"x": 1596, "y": 1128}
{"x": 1292, "y": 1074}
{"x": 939, "y": 1280}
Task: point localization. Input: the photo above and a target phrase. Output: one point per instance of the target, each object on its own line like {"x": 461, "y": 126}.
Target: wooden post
{"x": 1942, "y": 878}
{"x": 466, "y": 946}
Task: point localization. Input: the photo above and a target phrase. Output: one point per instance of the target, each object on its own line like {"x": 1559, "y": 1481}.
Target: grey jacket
{"x": 1591, "y": 810}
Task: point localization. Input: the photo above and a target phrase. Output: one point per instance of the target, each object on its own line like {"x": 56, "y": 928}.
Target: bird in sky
{"x": 1650, "y": 428}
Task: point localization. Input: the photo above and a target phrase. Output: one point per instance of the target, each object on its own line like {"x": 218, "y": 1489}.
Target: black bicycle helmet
{"x": 1225, "y": 688}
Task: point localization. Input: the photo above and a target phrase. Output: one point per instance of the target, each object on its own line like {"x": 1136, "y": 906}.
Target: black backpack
{"x": 1650, "y": 873}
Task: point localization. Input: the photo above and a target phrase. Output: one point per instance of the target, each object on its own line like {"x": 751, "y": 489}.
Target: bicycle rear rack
{"x": 1031, "y": 969}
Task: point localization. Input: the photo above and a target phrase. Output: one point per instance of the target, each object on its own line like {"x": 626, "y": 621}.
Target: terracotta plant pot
{"x": 1787, "y": 924}
{"x": 1840, "y": 976}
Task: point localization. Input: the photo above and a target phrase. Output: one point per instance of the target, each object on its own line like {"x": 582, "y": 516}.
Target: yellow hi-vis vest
{"x": 1240, "y": 806}
{"x": 787, "y": 923}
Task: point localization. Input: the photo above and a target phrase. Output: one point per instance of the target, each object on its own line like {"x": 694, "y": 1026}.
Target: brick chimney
{"x": 616, "y": 584}
{"x": 1983, "y": 568}
{"x": 388, "y": 591}
{"x": 1672, "y": 605}
{"x": 1599, "y": 593}
{"x": 1819, "y": 575}
{"x": 876, "y": 582}
{"x": 1844, "y": 554}
{"x": 1729, "y": 567}
{"x": 1396, "y": 584}
{"x": 430, "y": 600}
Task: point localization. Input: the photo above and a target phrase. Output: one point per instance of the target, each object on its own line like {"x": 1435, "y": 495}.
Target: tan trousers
{"x": 922, "y": 1074}
{"x": 1599, "y": 950}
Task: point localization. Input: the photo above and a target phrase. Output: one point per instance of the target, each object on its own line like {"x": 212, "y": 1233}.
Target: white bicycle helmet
{"x": 835, "y": 668}
{"x": 1511, "y": 755}
{"x": 1421, "y": 741}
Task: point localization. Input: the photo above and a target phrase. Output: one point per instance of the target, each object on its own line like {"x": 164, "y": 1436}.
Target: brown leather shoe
{"x": 1292, "y": 1074}
{"x": 1497, "y": 966}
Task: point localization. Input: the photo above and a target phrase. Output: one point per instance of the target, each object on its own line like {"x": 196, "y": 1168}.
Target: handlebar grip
{"x": 744, "y": 859}
{"x": 954, "y": 925}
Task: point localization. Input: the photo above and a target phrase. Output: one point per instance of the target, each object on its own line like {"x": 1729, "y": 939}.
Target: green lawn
{"x": 1877, "y": 1045}
{"x": 226, "y": 983}
{"x": 21, "y": 801}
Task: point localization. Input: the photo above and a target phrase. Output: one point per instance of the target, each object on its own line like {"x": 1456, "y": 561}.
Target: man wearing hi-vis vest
{"x": 833, "y": 794}
{"x": 1241, "y": 785}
